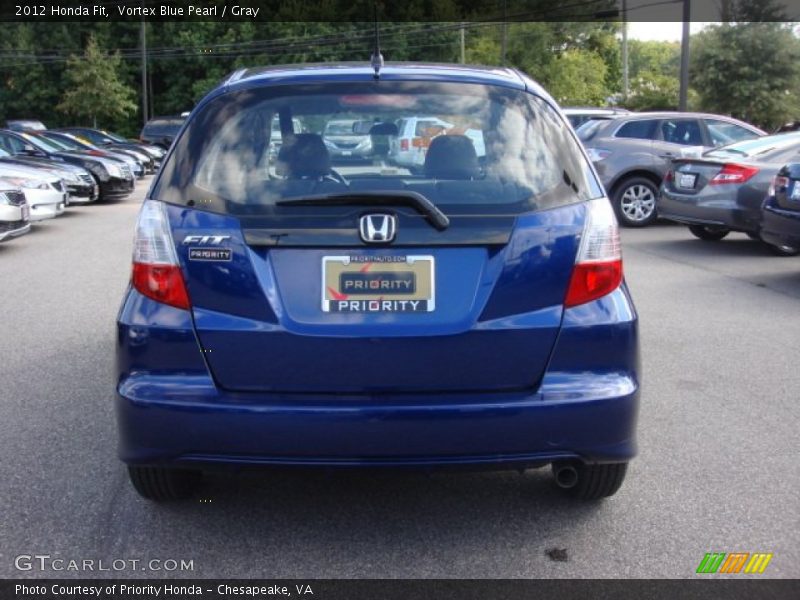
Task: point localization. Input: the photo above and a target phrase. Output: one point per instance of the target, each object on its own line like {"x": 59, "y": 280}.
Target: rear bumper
{"x": 780, "y": 227}
{"x": 591, "y": 417}
{"x": 718, "y": 210}
{"x": 585, "y": 407}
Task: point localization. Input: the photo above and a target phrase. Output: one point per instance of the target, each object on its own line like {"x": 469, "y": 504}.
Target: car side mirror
{"x": 106, "y": 141}
{"x": 31, "y": 150}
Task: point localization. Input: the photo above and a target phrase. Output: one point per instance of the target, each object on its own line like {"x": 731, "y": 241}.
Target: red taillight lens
{"x": 598, "y": 264}
{"x": 404, "y": 145}
{"x": 156, "y": 271}
{"x": 732, "y": 173}
{"x": 591, "y": 281}
{"x": 162, "y": 283}
{"x": 669, "y": 176}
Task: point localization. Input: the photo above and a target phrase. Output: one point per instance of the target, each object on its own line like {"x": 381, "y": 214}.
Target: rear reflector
{"x": 732, "y": 173}
{"x": 404, "y": 144}
{"x": 598, "y": 265}
{"x": 156, "y": 272}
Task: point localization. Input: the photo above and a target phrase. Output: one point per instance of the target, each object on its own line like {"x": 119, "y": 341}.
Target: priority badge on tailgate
{"x": 209, "y": 250}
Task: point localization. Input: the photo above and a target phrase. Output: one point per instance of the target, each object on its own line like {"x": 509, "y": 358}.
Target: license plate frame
{"x": 412, "y": 276}
{"x": 686, "y": 181}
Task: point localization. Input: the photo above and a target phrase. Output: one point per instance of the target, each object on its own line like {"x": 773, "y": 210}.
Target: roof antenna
{"x": 377, "y": 57}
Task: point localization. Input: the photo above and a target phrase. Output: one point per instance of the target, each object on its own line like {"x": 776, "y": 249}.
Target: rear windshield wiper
{"x": 414, "y": 200}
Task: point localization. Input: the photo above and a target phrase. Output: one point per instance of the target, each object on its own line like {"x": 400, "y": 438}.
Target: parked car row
{"x": 43, "y": 171}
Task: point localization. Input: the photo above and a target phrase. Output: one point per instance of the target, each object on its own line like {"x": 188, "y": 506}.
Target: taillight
{"x": 598, "y": 265}
{"x": 669, "y": 176}
{"x": 732, "y": 173}
{"x": 404, "y": 144}
{"x": 779, "y": 183}
{"x": 156, "y": 273}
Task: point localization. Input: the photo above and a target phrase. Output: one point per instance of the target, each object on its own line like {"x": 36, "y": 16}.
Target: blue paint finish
{"x": 499, "y": 374}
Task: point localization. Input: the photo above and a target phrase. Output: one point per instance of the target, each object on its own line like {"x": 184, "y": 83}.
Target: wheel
{"x": 708, "y": 234}
{"x": 162, "y": 484}
{"x": 635, "y": 202}
{"x": 589, "y": 482}
{"x": 784, "y": 250}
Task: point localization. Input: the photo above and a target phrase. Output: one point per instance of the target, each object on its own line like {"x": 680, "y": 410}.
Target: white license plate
{"x": 686, "y": 181}
{"x": 346, "y": 153}
{"x": 794, "y": 194}
{"x": 378, "y": 284}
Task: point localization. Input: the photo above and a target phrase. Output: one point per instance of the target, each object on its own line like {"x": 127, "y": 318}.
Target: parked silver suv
{"x": 632, "y": 153}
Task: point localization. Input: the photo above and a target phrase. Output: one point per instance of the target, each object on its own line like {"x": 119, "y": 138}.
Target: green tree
{"x": 577, "y": 77}
{"x": 748, "y": 70}
{"x": 94, "y": 86}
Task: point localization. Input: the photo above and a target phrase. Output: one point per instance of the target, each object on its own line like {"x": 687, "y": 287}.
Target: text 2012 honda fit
{"x": 286, "y": 310}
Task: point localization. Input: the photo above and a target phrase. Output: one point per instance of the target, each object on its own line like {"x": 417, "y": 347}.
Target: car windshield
{"x": 339, "y": 128}
{"x": 41, "y": 143}
{"x": 503, "y": 150}
{"x": 62, "y": 143}
{"x": 757, "y": 146}
{"x": 114, "y": 137}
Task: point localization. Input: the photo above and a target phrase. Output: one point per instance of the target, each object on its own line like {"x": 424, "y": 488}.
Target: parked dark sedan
{"x": 723, "y": 190}
{"x": 780, "y": 213}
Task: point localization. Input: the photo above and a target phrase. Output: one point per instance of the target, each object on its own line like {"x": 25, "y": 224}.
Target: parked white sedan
{"x": 14, "y": 213}
{"x": 46, "y": 195}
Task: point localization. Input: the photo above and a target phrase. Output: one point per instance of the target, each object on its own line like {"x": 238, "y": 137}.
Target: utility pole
{"x": 687, "y": 19}
{"x": 504, "y": 38}
{"x": 625, "y": 82}
{"x": 463, "y": 48}
{"x": 144, "y": 68}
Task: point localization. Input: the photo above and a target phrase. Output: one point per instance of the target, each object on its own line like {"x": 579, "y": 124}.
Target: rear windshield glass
{"x": 758, "y": 146}
{"x": 477, "y": 148}
{"x": 589, "y": 129}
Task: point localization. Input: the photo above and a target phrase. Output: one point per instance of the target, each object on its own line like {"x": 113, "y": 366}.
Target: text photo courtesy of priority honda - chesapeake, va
{"x": 364, "y": 299}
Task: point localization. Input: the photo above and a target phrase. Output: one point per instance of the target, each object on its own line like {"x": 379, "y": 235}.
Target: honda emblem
{"x": 378, "y": 229}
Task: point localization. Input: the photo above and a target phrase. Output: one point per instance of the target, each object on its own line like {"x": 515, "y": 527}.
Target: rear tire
{"x": 708, "y": 234}
{"x": 163, "y": 484}
{"x": 783, "y": 250}
{"x": 635, "y": 202}
{"x": 597, "y": 481}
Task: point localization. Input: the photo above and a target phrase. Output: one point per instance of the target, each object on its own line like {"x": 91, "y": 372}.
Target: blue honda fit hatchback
{"x": 288, "y": 310}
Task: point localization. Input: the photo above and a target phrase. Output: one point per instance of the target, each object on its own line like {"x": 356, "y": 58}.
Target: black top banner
{"x": 408, "y": 589}
{"x": 424, "y": 10}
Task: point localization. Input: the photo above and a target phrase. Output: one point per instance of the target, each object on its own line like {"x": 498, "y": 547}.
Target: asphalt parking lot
{"x": 717, "y": 469}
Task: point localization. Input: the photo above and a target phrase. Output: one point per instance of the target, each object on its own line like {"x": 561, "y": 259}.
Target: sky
{"x": 666, "y": 31}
